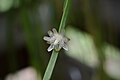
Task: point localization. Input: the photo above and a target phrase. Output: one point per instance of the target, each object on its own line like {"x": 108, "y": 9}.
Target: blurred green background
{"x": 93, "y": 27}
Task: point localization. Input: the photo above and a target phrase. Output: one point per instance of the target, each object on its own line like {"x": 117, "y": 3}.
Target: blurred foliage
{"x": 82, "y": 48}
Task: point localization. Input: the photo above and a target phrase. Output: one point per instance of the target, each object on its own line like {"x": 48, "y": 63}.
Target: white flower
{"x": 56, "y": 40}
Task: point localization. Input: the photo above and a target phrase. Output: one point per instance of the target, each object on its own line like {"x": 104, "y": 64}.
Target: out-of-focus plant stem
{"x": 11, "y": 56}
{"x": 33, "y": 41}
{"x": 51, "y": 65}
{"x": 67, "y": 4}
{"x": 54, "y": 55}
{"x": 94, "y": 26}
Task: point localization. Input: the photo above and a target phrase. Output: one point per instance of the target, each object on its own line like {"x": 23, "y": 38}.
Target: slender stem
{"x": 64, "y": 16}
{"x": 11, "y": 56}
{"x": 51, "y": 65}
{"x": 54, "y": 55}
{"x": 31, "y": 41}
{"x": 93, "y": 25}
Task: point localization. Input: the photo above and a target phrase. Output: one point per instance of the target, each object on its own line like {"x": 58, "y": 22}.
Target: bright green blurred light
{"x": 5, "y": 5}
{"x": 81, "y": 47}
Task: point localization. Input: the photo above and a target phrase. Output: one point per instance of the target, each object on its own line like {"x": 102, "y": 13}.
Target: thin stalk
{"x": 12, "y": 55}
{"x": 94, "y": 26}
{"x": 65, "y": 14}
{"x": 54, "y": 55}
{"x": 31, "y": 41}
{"x": 51, "y": 65}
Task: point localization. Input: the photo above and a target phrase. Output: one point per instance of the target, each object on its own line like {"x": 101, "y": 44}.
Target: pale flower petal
{"x": 50, "y": 33}
{"x": 66, "y": 39}
{"x": 50, "y": 47}
{"x": 65, "y": 47}
{"x": 61, "y": 43}
{"x": 54, "y": 31}
{"x": 46, "y": 38}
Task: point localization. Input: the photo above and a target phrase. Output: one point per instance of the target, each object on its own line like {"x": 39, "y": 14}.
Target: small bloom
{"x": 56, "y": 40}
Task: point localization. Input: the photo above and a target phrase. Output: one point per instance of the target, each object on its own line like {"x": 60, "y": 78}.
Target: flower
{"x": 56, "y": 40}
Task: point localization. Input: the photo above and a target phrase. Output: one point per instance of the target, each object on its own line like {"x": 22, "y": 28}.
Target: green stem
{"x": 54, "y": 55}
{"x": 51, "y": 65}
{"x": 64, "y": 16}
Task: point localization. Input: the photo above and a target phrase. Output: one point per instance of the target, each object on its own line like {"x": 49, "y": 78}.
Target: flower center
{"x": 58, "y": 38}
